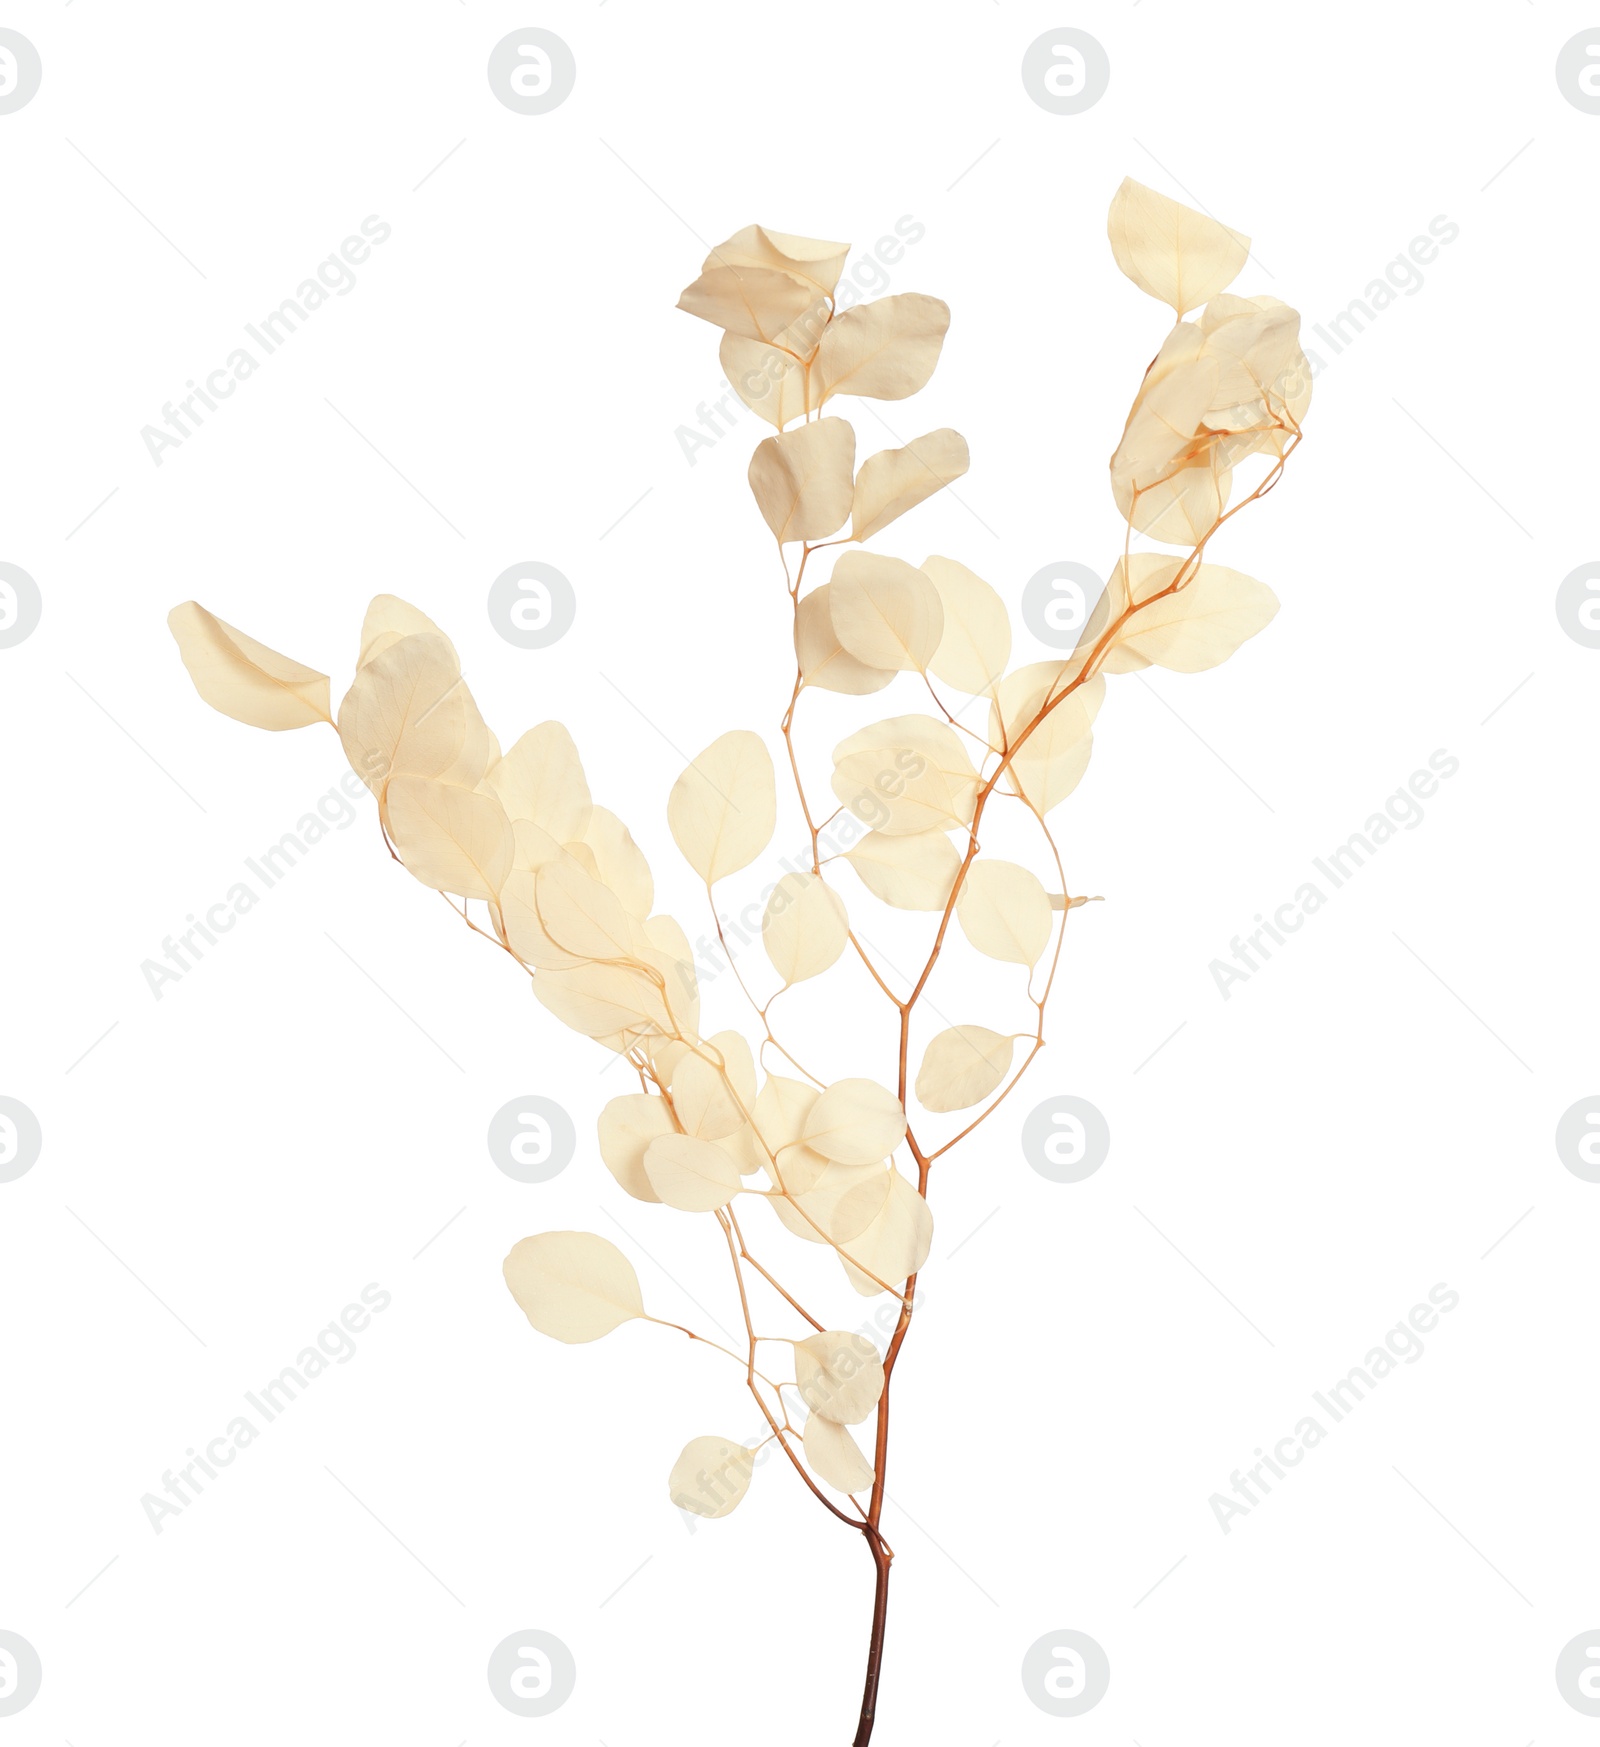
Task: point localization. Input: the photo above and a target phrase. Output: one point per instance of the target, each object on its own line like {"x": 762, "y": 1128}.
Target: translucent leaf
{"x": 758, "y": 302}
{"x": 245, "y": 679}
{"x": 1198, "y": 627}
{"x": 896, "y": 480}
{"x": 912, "y": 873}
{"x": 627, "y": 1126}
{"x": 824, "y": 660}
{"x": 572, "y": 1285}
{"x": 765, "y": 377}
{"x": 802, "y": 479}
{"x": 1049, "y": 764}
{"x": 839, "y": 1375}
{"x": 405, "y": 714}
{"x": 692, "y": 1175}
{"x": 963, "y": 1065}
{"x": 541, "y": 780}
{"x": 711, "y": 1476}
{"x": 580, "y": 915}
{"x": 813, "y": 1204}
{"x": 388, "y": 620}
{"x": 724, "y": 806}
{"x": 1169, "y": 250}
{"x": 897, "y": 1242}
{"x": 818, "y": 263}
{"x": 450, "y": 838}
{"x": 835, "y": 1456}
{"x": 855, "y": 1122}
{"x": 883, "y": 350}
{"x": 885, "y": 612}
{"x": 1004, "y": 911}
{"x": 604, "y": 1000}
{"x": 804, "y": 927}
{"x": 906, "y": 775}
{"x": 704, "y": 1103}
{"x": 619, "y": 862}
{"x": 976, "y": 644}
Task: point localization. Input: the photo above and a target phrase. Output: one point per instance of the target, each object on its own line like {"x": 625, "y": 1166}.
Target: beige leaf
{"x": 758, "y": 302}
{"x": 770, "y": 381}
{"x": 912, "y": 873}
{"x": 824, "y": 660}
{"x": 1198, "y": 627}
{"x": 450, "y": 838}
{"x": 781, "y": 1111}
{"x": 827, "y": 1203}
{"x": 963, "y": 1065}
{"x": 711, "y": 1476}
{"x": 1169, "y": 250}
{"x": 1004, "y": 911}
{"x": 724, "y": 806}
{"x": 245, "y": 679}
{"x": 802, "y": 479}
{"x": 883, "y": 350}
{"x": 855, "y": 1122}
{"x": 690, "y": 1174}
{"x": 572, "y": 1285}
{"x": 541, "y": 780}
{"x": 897, "y": 1242}
{"x": 579, "y": 914}
{"x": 604, "y": 1000}
{"x": 388, "y": 620}
{"x": 839, "y": 1375}
{"x": 835, "y": 1456}
{"x": 705, "y": 1105}
{"x": 885, "y": 612}
{"x": 619, "y": 861}
{"x": 906, "y": 775}
{"x": 896, "y": 480}
{"x": 627, "y": 1126}
{"x": 1049, "y": 764}
{"x": 818, "y": 263}
{"x": 804, "y": 927}
{"x": 976, "y": 644}
{"x": 405, "y": 714}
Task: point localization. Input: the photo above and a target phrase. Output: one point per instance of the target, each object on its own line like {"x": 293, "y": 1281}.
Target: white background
{"x": 301, "y": 1114}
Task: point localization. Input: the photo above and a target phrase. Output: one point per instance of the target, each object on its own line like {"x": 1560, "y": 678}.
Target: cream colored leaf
{"x": 835, "y": 1456}
{"x": 704, "y": 1102}
{"x": 605, "y": 1000}
{"x": 579, "y": 914}
{"x": 1004, "y": 911}
{"x": 824, "y": 660}
{"x": 911, "y": 873}
{"x": 450, "y": 838}
{"x": 855, "y": 1122}
{"x": 963, "y": 1065}
{"x": 627, "y": 1125}
{"x": 541, "y": 780}
{"x": 388, "y": 620}
{"x": 573, "y": 1285}
{"x": 906, "y": 775}
{"x": 839, "y": 1375}
{"x": 804, "y": 927}
{"x": 765, "y": 377}
{"x": 802, "y": 479}
{"x": 692, "y": 1175}
{"x": 724, "y": 806}
{"x": 885, "y": 612}
{"x": 405, "y": 714}
{"x": 883, "y": 350}
{"x": 619, "y": 861}
{"x": 245, "y": 679}
{"x": 816, "y": 1191}
{"x": 758, "y": 302}
{"x": 1177, "y": 255}
{"x": 897, "y": 1242}
{"x": 896, "y": 480}
{"x": 1048, "y": 765}
{"x": 711, "y": 1476}
{"x": 976, "y": 644}
{"x": 818, "y": 263}
{"x": 1198, "y": 627}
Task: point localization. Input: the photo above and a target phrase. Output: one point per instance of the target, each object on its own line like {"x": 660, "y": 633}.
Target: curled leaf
{"x": 243, "y": 678}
